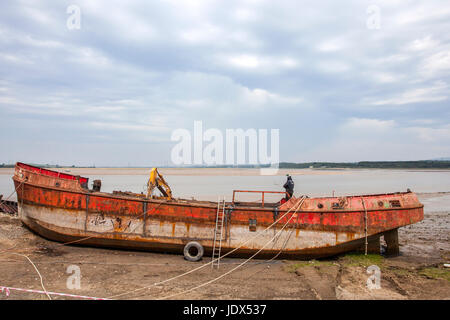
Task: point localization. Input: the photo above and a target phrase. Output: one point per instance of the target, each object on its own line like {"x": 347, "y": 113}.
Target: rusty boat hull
{"x": 60, "y": 207}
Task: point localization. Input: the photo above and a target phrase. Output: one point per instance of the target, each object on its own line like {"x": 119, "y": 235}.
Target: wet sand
{"x": 417, "y": 273}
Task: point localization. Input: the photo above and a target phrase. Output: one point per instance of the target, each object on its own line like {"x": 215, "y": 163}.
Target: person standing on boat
{"x": 289, "y": 186}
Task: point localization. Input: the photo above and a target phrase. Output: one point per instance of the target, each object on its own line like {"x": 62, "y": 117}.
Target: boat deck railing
{"x": 262, "y": 194}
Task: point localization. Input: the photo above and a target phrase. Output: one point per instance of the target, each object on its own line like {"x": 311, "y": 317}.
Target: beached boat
{"x": 60, "y": 206}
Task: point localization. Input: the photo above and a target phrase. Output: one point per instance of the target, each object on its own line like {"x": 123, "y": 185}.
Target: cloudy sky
{"x": 342, "y": 80}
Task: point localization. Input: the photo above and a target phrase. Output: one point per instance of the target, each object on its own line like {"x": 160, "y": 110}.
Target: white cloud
{"x": 202, "y": 91}
{"x": 246, "y": 61}
{"x": 436, "y": 64}
{"x": 124, "y": 20}
{"x": 439, "y": 135}
{"x": 359, "y": 139}
{"x": 259, "y": 63}
{"x": 333, "y": 66}
{"x": 368, "y": 124}
{"x": 423, "y": 44}
{"x": 133, "y": 126}
{"x": 386, "y": 77}
{"x": 263, "y": 97}
{"x": 89, "y": 57}
{"x": 29, "y": 40}
{"x": 201, "y": 34}
{"x": 38, "y": 15}
{"x": 393, "y": 59}
{"x": 332, "y": 45}
{"x": 244, "y": 14}
{"x": 15, "y": 58}
{"x": 435, "y": 93}
{"x": 420, "y": 13}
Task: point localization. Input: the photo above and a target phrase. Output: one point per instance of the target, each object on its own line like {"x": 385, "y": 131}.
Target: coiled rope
{"x": 40, "y": 276}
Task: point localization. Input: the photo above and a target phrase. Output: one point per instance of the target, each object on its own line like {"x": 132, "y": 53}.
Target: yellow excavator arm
{"x": 156, "y": 180}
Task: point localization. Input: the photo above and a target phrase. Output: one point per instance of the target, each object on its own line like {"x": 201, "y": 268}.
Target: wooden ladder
{"x": 218, "y": 233}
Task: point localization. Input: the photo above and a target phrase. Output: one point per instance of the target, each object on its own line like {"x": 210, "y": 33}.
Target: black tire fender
{"x": 193, "y": 251}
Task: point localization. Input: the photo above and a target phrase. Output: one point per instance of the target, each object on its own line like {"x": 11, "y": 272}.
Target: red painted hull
{"x": 61, "y": 208}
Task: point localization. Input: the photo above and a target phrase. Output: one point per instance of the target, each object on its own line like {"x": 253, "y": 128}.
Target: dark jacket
{"x": 289, "y": 185}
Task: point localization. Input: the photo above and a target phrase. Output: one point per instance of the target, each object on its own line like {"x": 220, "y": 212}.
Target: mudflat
{"x": 417, "y": 273}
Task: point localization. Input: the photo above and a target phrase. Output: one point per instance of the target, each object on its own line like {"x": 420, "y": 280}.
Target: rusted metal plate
{"x": 6, "y": 206}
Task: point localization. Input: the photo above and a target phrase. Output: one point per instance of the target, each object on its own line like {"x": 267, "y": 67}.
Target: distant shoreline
{"x": 419, "y": 164}
{"x": 215, "y": 171}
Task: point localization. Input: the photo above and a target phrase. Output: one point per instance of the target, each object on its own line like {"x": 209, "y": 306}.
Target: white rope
{"x": 15, "y": 190}
{"x": 365, "y": 226}
{"x": 212, "y": 261}
{"x": 7, "y": 198}
{"x": 240, "y": 265}
{"x": 42, "y": 282}
{"x": 7, "y": 289}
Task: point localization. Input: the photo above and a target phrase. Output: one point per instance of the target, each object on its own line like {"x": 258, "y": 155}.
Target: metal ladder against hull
{"x": 218, "y": 234}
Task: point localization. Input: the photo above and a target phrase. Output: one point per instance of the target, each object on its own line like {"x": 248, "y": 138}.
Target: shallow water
{"x": 438, "y": 203}
{"x": 210, "y": 187}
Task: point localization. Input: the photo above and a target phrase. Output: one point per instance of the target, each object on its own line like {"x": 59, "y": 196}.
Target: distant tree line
{"x": 420, "y": 164}
{"x": 3, "y": 165}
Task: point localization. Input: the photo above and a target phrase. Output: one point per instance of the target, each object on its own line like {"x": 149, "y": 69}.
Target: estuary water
{"x": 307, "y": 182}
